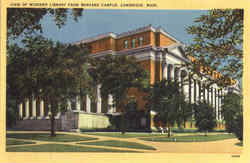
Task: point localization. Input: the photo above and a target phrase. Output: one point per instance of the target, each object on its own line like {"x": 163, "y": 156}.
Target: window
{"x": 133, "y": 42}
{"x": 140, "y": 41}
{"x": 126, "y": 44}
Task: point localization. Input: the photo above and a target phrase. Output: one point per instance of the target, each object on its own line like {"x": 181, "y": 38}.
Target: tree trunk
{"x": 123, "y": 125}
{"x": 184, "y": 123}
{"x": 52, "y": 120}
{"x": 52, "y": 129}
{"x": 169, "y": 131}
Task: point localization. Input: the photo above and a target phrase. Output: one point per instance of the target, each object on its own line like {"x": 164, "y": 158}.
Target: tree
{"x": 166, "y": 98}
{"x": 238, "y": 129}
{"x": 116, "y": 75}
{"x": 44, "y": 70}
{"x": 28, "y": 20}
{"x": 204, "y": 117}
{"x": 232, "y": 113}
{"x": 217, "y": 44}
{"x": 130, "y": 113}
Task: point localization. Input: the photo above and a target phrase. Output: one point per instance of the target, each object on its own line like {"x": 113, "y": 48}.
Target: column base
{"x": 75, "y": 110}
{"x": 25, "y": 118}
{"x": 58, "y": 116}
{"x": 40, "y": 117}
{"x": 32, "y": 117}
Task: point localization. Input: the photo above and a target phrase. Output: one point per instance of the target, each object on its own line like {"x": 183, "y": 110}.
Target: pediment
{"x": 177, "y": 51}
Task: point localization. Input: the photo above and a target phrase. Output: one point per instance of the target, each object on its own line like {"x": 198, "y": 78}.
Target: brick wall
{"x": 164, "y": 40}
{"x": 102, "y": 45}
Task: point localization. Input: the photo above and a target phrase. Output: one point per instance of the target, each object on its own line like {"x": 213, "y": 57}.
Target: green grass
{"x": 126, "y": 135}
{"x": 193, "y": 130}
{"x": 191, "y": 138}
{"x": 17, "y": 142}
{"x": 121, "y": 144}
{"x": 46, "y": 137}
{"x": 61, "y": 148}
{"x": 185, "y": 130}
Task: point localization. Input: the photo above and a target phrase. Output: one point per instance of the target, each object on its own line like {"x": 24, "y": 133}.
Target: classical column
{"x": 20, "y": 110}
{"x": 99, "y": 99}
{"x": 68, "y": 105}
{"x": 193, "y": 91}
{"x": 78, "y": 105}
{"x": 110, "y": 104}
{"x": 190, "y": 89}
{"x": 165, "y": 70}
{"x": 199, "y": 90}
{"x": 27, "y": 112}
{"x": 176, "y": 74}
{"x": 49, "y": 111}
{"x": 185, "y": 90}
{"x": 172, "y": 73}
{"x": 88, "y": 104}
{"x": 207, "y": 95}
{"x": 211, "y": 96}
{"x": 217, "y": 103}
{"x": 204, "y": 92}
{"x": 214, "y": 100}
{"x": 33, "y": 108}
{"x": 41, "y": 109}
{"x": 221, "y": 102}
{"x": 164, "y": 66}
{"x": 179, "y": 80}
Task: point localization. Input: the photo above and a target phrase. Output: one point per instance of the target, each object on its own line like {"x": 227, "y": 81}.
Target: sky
{"x": 95, "y": 22}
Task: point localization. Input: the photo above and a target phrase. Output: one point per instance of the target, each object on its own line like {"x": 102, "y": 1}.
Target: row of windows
{"x": 133, "y": 42}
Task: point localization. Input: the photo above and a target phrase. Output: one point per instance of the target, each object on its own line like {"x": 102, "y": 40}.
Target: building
{"x": 157, "y": 51}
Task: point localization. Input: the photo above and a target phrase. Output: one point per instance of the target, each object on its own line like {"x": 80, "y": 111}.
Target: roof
{"x": 128, "y": 33}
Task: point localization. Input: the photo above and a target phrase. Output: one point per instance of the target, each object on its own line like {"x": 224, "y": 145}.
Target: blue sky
{"x": 94, "y": 22}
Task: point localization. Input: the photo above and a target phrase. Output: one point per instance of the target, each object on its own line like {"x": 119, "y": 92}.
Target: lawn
{"x": 46, "y": 137}
{"x": 121, "y": 144}
{"x": 119, "y": 135}
{"x": 190, "y": 138}
{"x": 17, "y": 142}
{"x": 61, "y": 148}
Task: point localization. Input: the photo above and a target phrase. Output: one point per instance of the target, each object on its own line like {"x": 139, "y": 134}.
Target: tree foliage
{"x": 232, "y": 113}
{"x": 28, "y": 20}
{"x": 116, "y": 75}
{"x": 168, "y": 101}
{"x": 217, "y": 43}
{"x": 204, "y": 117}
{"x": 238, "y": 130}
{"x": 44, "y": 70}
